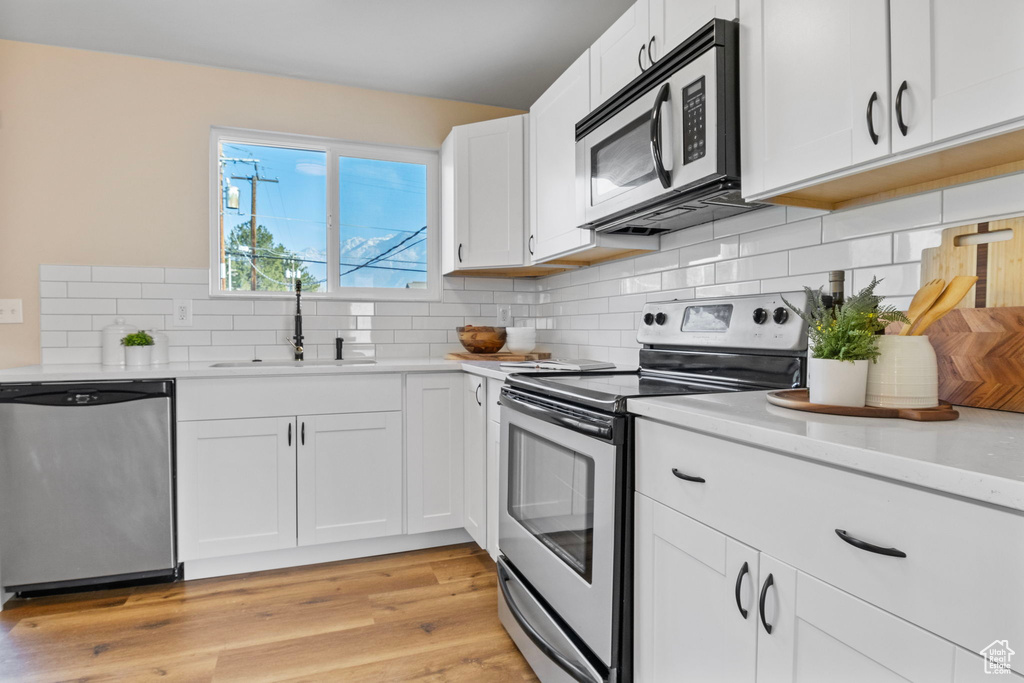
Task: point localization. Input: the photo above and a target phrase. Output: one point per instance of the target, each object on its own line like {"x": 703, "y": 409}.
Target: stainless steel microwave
{"x": 663, "y": 153}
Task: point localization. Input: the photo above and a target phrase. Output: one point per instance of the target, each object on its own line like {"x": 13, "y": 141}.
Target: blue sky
{"x": 382, "y": 206}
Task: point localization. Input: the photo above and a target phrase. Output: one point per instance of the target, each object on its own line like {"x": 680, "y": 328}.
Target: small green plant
{"x": 848, "y": 332}
{"x": 140, "y": 338}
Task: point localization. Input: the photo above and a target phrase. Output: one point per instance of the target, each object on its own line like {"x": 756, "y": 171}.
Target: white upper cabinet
{"x": 620, "y": 54}
{"x": 483, "y": 205}
{"x": 648, "y": 31}
{"x": 553, "y": 204}
{"x": 819, "y": 94}
{"x": 963, "y": 64}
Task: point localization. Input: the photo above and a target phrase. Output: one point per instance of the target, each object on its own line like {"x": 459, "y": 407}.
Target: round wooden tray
{"x": 796, "y": 399}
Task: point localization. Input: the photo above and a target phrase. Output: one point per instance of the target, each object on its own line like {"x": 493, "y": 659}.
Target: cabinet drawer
{"x": 244, "y": 397}
{"x": 961, "y": 576}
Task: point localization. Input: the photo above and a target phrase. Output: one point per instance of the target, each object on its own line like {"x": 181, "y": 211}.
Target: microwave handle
{"x": 659, "y": 165}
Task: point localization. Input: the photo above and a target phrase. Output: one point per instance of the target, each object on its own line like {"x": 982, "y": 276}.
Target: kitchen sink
{"x": 291, "y": 363}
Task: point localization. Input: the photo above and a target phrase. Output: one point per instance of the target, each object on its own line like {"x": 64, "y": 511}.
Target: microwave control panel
{"x": 694, "y": 118}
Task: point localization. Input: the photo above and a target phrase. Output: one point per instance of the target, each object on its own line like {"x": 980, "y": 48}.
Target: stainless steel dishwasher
{"x": 86, "y": 484}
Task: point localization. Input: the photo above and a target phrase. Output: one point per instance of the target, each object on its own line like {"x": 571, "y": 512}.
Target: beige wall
{"x": 104, "y": 158}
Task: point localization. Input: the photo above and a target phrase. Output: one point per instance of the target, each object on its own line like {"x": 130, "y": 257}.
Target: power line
{"x": 385, "y": 253}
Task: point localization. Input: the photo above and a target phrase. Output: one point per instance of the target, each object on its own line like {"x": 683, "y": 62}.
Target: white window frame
{"x": 333, "y": 149}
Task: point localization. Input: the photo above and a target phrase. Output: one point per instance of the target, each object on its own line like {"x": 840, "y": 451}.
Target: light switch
{"x": 10, "y": 311}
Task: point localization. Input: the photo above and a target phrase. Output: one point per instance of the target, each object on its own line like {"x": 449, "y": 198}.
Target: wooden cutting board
{"x": 981, "y": 357}
{"x": 999, "y": 265}
{"x": 504, "y": 357}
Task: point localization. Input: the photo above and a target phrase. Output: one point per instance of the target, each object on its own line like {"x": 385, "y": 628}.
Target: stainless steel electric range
{"x": 566, "y": 496}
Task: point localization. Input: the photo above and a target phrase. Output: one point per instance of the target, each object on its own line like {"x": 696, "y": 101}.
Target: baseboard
{"x": 316, "y": 554}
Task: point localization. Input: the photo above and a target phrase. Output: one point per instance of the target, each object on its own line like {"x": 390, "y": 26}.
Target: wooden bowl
{"x": 481, "y": 339}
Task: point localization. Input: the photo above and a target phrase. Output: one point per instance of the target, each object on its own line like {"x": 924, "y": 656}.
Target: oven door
{"x": 663, "y": 141}
{"x": 556, "y": 522}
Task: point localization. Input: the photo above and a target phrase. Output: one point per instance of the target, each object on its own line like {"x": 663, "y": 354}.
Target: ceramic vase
{"x": 136, "y": 356}
{"x": 905, "y": 375}
{"x": 837, "y": 382}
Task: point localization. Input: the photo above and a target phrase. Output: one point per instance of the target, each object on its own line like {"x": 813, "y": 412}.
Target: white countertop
{"x": 979, "y": 456}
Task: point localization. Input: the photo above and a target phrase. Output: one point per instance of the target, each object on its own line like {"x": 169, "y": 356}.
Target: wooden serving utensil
{"x": 922, "y": 301}
{"x": 957, "y": 290}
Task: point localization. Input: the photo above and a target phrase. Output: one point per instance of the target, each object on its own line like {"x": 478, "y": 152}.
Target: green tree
{"x": 273, "y": 262}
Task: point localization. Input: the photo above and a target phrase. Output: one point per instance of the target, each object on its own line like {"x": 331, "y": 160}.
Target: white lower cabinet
{"x": 236, "y": 486}
{"x": 475, "y": 458}
{"x": 434, "y": 451}
{"x": 698, "y": 616}
{"x": 349, "y": 477}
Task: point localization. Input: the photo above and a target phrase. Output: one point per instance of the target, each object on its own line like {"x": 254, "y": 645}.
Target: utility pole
{"x": 254, "y": 178}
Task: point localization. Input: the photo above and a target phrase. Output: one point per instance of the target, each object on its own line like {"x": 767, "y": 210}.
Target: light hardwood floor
{"x": 428, "y": 615}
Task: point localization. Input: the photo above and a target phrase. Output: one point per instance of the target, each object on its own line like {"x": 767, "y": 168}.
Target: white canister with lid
{"x": 160, "y": 352}
{"x": 113, "y": 352}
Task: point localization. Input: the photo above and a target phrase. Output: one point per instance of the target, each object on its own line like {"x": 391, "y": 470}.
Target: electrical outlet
{"x": 10, "y": 311}
{"x": 182, "y": 313}
{"x": 504, "y": 315}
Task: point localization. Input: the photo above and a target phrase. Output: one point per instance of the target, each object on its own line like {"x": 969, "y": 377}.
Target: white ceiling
{"x": 500, "y": 52}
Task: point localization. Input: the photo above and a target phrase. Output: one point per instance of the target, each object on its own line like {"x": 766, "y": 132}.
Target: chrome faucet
{"x": 296, "y": 341}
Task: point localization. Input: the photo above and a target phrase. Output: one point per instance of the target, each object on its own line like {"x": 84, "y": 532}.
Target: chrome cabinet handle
{"x": 650, "y": 51}
{"x": 640, "y": 58}
{"x": 659, "y": 166}
{"x": 871, "y": 124}
{"x": 768, "y": 583}
{"x": 460, "y": 252}
{"x": 744, "y": 570}
{"x": 289, "y": 434}
{"x": 529, "y": 245}
{"x": 477, "y": 394}
{"x": 303, "y": 437}
{"x": 899, "y": 108}
{"x": 688, "y": 477}
{"x": 870, "y": 547}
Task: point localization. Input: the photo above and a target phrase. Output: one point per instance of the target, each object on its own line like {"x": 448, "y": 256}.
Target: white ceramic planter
{"x": 905, "y": 375}
{"x": 837, "y": 382}
{"x": 135, "y": 356}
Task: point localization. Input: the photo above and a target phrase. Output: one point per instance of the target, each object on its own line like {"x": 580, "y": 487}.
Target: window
{"x": 349, "y": 220}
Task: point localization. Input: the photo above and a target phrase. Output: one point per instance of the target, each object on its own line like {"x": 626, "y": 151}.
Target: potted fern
{"x": 137, "y": 348}
{"x": 843, "y": 340}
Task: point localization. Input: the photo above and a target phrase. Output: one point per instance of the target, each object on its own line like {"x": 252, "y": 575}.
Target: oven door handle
{"x": 577, "y": 672}
{"x": 594, "y": 428}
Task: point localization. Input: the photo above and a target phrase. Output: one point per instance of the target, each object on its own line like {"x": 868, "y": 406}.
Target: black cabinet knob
{"x": 780, "y": 315}
{"x": 648, "y": 318}
{"x": 660, "y": 318}
{"x": 760, "y": 316}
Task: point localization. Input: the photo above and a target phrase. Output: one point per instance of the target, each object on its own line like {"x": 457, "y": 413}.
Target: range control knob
{"x": 760, "y": 316}
{"x": 780, "y": 315}
{"x": 648, "y": 318}
{"x": 660, "y": 318}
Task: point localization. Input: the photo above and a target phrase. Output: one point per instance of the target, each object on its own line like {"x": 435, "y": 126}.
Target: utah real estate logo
{"x": 997, "y": 657}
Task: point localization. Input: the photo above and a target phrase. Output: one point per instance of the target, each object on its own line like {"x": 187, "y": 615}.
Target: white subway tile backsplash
{"x": 77, "y": 306}
{"x": 627, "y": 303}
{"x": 52, "y": 289}
{"x": 405, "y": 350}
{"x": 437, "y": 322}
{"x": 803, "y": 233}
{"x": 794, "y": 283}
{"x": 65, "y": 322}
{"x": 799, "y": 213}
{"x": 467, "y": 296}
{"x": 81, "y": 355}
{"x": 658, "y": 261}
{"x": 490, "y": 284}
{"x": 899, "y": 280}
{"x": 65, "y": 273}
{"x": 910, "y": 212}
{"x": 174, "y": 291}
{"x": 605, "y": 288}
{"x": 402, "y": 308}
{"x": 384, "y": 322}
{"x": 145, "y": 306}
{"x": 730, "y": 289}
{"x": 613, "y": 270}
{"x": 867, "y": 251}
{"x": 185, "y": 276}
{"x": 684, "y": 238}
{"x": 220, "y": 353}
{"x": 346, "y": 307}
{"x": 84, "y": 339}
{"x": 671, "y": 295}
{"x": 189, "y": 337}
{"x": 908, "y": 244}
{"x": 221, "y": 307}
{"x": 126, "y": 274}
{"x": 242, "y": 337}
{"x": 641, "y": 283}
{"x": 454, "y": 309}
{"x": 584, "y": 276}
{"x": 993, "y": 197}
{"x": 590, "y": 306}
{"x": 424, "y": 337}
{"x": 104, "y": 290}
{"x": 709, "y": 252}
{"x": 753, "y": 267}
{"x": 207, "y": 322}
{"x": 752, "y": 220}
{"x": 53, "y": 338}
{"x": 693, "y": 276}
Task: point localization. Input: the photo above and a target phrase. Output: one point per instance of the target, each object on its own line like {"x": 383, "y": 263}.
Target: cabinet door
{"x": 493, "y": 496}
{"x": 820, "y": 633}
{"x": 349, "y": 477}
{"x": 555, "y": 204}
{"x": 434, "y": 451}
{"x": 619, "y": 54}
{"x": 236, "y": 486}
{"x": 691, "y": 584}
{"x": 821, "y": 63}
{"x": 475, "y": 459}
{"x": 673, "y": 21}
{"x": 489, "y": 210}
{"x": 963, "y": 64}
